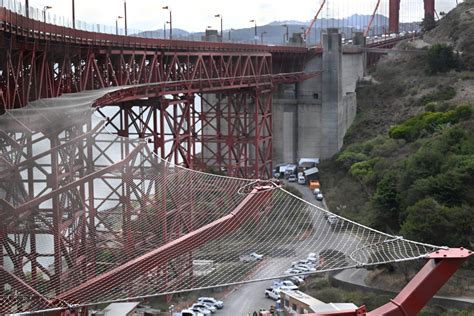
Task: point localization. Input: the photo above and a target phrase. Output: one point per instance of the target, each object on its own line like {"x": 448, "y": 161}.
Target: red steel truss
{"x": 394, "y": 14}
{"x": 40, "y": 60}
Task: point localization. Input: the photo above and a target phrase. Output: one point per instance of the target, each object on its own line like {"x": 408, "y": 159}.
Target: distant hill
{"x": 273, "y": 33}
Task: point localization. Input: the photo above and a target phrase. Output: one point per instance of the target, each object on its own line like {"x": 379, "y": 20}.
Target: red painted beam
{"x": 394, "y": 16}
{"x": 91, "y": 290}
{"x": 429, "y": 9}
{"x": 415, "y": 295}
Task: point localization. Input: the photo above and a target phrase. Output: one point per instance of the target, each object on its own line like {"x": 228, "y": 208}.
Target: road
{"x": 250, "y": 297}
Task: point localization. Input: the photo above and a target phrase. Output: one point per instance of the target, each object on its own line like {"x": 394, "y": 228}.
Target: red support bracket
{"x": 441, "y": 265}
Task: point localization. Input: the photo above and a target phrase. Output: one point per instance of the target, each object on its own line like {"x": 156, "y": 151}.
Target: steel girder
{"x": 394, "y": 13}
{"x": 237, "y": 133}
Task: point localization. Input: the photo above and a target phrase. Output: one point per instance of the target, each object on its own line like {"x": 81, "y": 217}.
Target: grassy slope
{"x": 390, "y": 97}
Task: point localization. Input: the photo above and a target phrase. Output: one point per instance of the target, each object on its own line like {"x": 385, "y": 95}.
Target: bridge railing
{"x": 38, "y": 15}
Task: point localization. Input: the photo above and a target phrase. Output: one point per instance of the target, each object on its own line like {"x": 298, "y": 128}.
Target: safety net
{"x": 89, "y": 217}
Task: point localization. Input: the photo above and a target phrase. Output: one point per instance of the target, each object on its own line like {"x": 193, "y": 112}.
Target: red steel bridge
{"x": 145, "y": 88}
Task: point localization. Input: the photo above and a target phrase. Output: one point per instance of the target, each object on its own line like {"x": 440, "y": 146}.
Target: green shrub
{"x": 440, "y": 58}
{"x": 428, "y": 122}
{"x": 330, "y": 295}
{"x": 348, "y": 158}
{"x": 443, "y": 93}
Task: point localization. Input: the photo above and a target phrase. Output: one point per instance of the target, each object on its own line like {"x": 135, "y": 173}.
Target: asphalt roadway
{"x": 250, "y": 297}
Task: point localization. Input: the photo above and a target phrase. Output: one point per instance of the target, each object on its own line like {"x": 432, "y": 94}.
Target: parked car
{"x": 305, "y": 267}
{"x": 319, "y": 197}
{"x": 316, "y": 191}
{"x": 285, "y": 285}
{"x": 189, "y": 312}
{"x": 293, "y": 271}
{"x": 334, "y": 221}
{"x": 296, "y": 279}
{"x": 292, "y": 178}
{"x": 272, "y": 293}
{"x": 302, "y": 261}
{"x": 313, "y": 258}
{"x": 203, "y": 311}
{"x": 251, "y": 257}
{"x": 213, "y": 301}
{"x": 209, "y": 307}
{"x": 301, "y": 179}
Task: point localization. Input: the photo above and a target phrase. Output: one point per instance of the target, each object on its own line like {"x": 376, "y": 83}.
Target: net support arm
{"x": 441, "y": 265}
{"x": 415, "y": 295}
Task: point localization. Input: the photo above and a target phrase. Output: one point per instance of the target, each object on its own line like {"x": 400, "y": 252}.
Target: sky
{"x": 197, "y": 15}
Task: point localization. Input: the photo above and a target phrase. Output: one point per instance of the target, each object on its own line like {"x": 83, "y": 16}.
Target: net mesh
{"x": 88, "y": 217}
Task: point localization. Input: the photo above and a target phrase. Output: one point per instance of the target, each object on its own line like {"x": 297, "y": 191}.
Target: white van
{"x": 301, "y": 179}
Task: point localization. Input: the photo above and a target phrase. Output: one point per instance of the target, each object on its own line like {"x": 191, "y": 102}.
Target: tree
{"x": 428, "y": 23}
{"x": 386, "y": 201}
{"x": 440, "y": 58}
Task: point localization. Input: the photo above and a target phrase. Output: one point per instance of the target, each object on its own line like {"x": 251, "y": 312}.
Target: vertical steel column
{"x": 394, "y": 16}
{"x": 57, "y": 216}
{"x": 429, "y": 9}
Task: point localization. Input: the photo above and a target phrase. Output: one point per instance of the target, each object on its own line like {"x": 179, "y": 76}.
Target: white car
{"x": 285, "y": 285}
{"x": 272, "y": 293}
{"x": 319, "y": 197}
{"x": 296, "y": 279}
{"x": 188, "y": 312}
{"x": 305, "y": 267}
{"x": 212, "y": 301}
{"x": 316, "y": 191}
{"x": 313, "y": 258}
{"x": 293, "y": 271}
{"x": 203, "y": 311}
{"x": 209, "y": 307}
{"x": 251, "y": 257}
{"x": 302, "y": 261}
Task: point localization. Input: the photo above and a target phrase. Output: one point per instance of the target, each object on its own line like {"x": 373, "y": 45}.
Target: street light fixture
{"x": 171, "y": 21}
{"x": 285, "y": 36}
{"x": 45, "y": 8}
{"x": 230, "y": 31}
{"x": 261, "y": 36}
{"x": 255, "y": 37}
{"x": 116, "y": 24}
{"x": 222, "y": 34}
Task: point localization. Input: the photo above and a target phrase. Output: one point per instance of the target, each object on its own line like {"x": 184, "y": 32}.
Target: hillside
{"x": 407, "y": 165}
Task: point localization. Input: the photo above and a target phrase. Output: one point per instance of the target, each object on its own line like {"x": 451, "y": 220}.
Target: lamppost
{"x": 73, "y": 14}
{"x": 261, "y": 36}
{"x": 116, "y": 24}
{"x": 255, "y": 35}
{"x": 171, "y": 21}
{"x": 222, "y": 34}
{"x": 125, "y": 14}
{"x": 45, "y": 8}
{"x": 285, "y": 36}
{"x": 230, "y": 31}
{"x": 164, "y": 29}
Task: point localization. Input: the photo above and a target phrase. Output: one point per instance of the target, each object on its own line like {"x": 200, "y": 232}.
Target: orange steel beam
{"x": 308, "y": 30}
